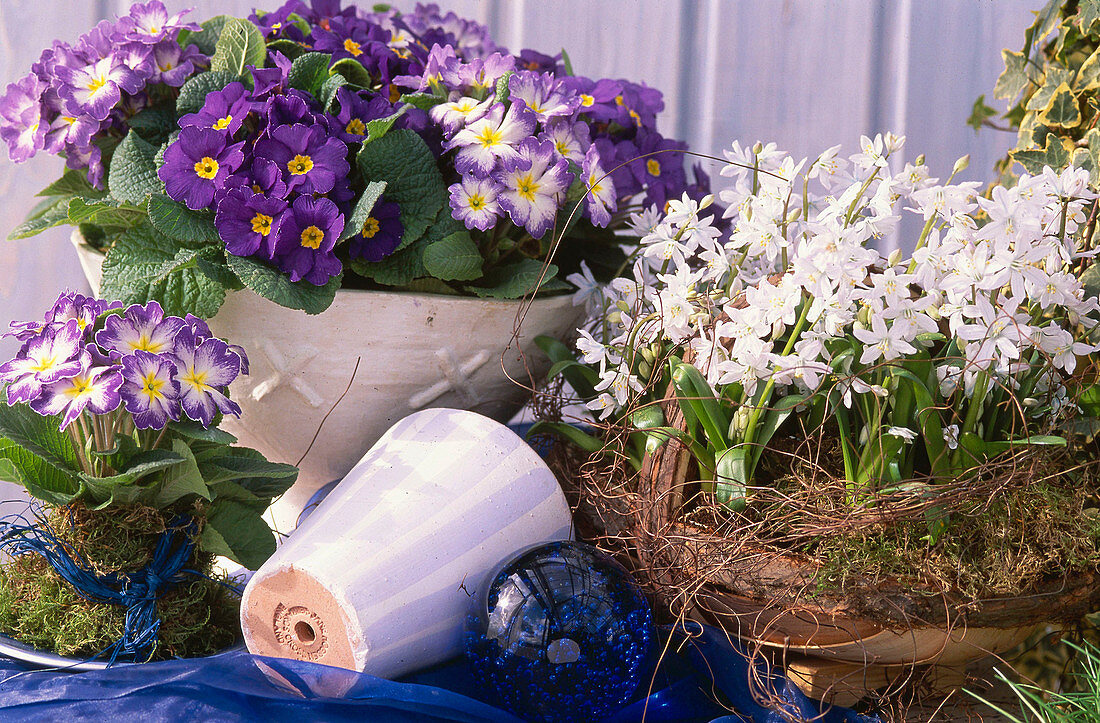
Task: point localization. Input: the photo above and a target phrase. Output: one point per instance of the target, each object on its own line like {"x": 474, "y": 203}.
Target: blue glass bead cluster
{"x": 562, "y": 635}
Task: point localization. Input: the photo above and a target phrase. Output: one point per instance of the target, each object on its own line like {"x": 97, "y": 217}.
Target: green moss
{"x": 199, "y": 617}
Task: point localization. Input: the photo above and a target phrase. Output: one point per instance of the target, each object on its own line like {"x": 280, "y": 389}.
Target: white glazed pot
{"x": 415, "y": 351}
{"x": 381, "y": 576}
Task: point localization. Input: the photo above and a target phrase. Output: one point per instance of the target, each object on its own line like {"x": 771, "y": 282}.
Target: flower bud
{"x": 961, "y": 164}
{"x": 1030, "y": 402}
{"x": 706, "y": 201}
{"x": 623, "y": 306}
{"x": 647, "y": 354}
{"x": 895, "y": 257}
{"x": 919, "y": 161}
{"x": 740, "y": 422}
{"x": 864, "y": 316}
{"x": 615, "y": 317}
{"x": 644, "y": 368}
{"x": 758, "y": 148}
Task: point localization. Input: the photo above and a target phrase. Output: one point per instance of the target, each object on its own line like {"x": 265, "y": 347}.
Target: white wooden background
{"x": 804, "y": 73}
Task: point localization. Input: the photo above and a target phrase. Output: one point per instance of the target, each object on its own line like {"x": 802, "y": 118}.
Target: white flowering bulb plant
{"x": 921, "y": 368}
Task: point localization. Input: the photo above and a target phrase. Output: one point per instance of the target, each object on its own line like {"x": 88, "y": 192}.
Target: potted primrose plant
{"x": 876, "y": 461}
{"x": 109, "y": 420}
{"x": 445, "y": 188}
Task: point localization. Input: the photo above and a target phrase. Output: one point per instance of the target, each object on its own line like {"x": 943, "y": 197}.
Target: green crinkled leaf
{"x": 107, "y": 214}
{"x": 353, "y": 71}
{"x": 155, "y": 123}
{"x": 194, "y": 430}
{"x": 453, "y": 258}
{"x": 39, "y": 435}
{"x": 363, "y": 207}
{"x": 1042, "y": 97}
{"x": 238, "y": 532}
{"x": 240, "y": 45}
{"x": 309, "y": 71}
{"x": 289, "y": 48}
{"x": 182, "y": 479}
{"x": 235, "y": 492}
{"x": 1014, "y": 78}
{"x": 177, "y": 221}
{"x": 206, "y": 39}
{"x": 1063, "y": 109}
{"x": 132, "y": 176}
{"x": 379, "y": 127}
{"x": 397, "y": 269}
{"x": 72, "y": 183}
{"x": 123, "y": 487}
{"x": 56, "y": 214}
{"x": 248, "y": 468}
{"x": 144, "y": 264}
{"x": 41, "y": 479}
{"x": 276, "y": 286}
{"x": 423, "y": 101}
{"x": 194, "y": 91}
{"x": 403, "y": 160}
{"x": 329, "y": 88}
{"x": 1054, "y": 155}
{"x": 502, "y": 91}
{"x": 513, "y": 281}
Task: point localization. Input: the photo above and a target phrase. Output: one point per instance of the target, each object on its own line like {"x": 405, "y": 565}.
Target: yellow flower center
{"x": 634, "y": 115}
{"x": 594, "y": 185}
{"x": 96, "y": 83}
{"x": 256, "y": 188}
{"x": 653, "y": 167}
{"x": 476, "y": 201}
{"x": 261, "y": 224}
{"x": 207, "y": 167}
{"x": 151, "y": 385}
{"x": 154, "y": 30}
{"x": 222, "y": 123}
{"x": 44, "y": 364}
{"x": 618, "y": 100}
{"x": 587, "y": 101}
{"x": 490, "y": 137}
{"x": 356, "y": 127}
{"x": 80, "y": 384}
{"x": 353, "y": 47}
{"x": 527, "y": 187}
{"x": 195, "y": 378}
{"x": 146, "y": 344}
{"x": 370, "y": 227}
{"x": 312, "y": 237}
{"x": 562, "y": 148}
{"x": 300, "y": 165}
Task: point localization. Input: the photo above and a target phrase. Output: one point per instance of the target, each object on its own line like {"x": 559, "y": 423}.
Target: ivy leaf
{"x": 979, "y": 114}
{"x": 177, "y": 221}
{"x": 403, "y": 160}
{"x": 238, "y": 532}
{"x": 144, "y": 264}
{"x": 1063, "y": 110}
{"x": 276, "y": 286}
{"x": 104, "y": 213}
{"x": 1088, "y": 75}
{"x": 453, "y": 258}
{"x": 132, "y": 176}
{"x": 194, "y": 91}
{"x": 1054, "y": 155}
{"x": 363, "y": 207}
{"x": 352, "y": 71}
{"x": 1092, "y": 138}
{"x": 514, "y": 281}
{"x": 309, "y": 71}
{"x": 207, "y": 38}
{"x": 1088, "y": 12}
{"x": 72, "y": 183}
{"x": 1054, "y": 79}
{"x": 1014, "y": 78}
{"x": 240, "y": 45}
{"x": 54, "y": 215}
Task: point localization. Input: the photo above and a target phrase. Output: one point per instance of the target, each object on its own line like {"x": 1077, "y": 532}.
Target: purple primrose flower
{"x": 197, "y": 164}
{"x": 534, "y": 186}
{"x": 96, "y": 88}
{"x": 140, "y": 328}
{"x": 93, "y": 387}
{"x": 149, "y": 389}
{"x": 249, "y": 222}
{"x": 23, "y": 127}
{"x": 381, "y": 232}
{"x": 223, "y": 110}
{"x": 546, "y": 96}
{"x": 474, "y": 202}
{"x": 204, "y": 368}
{"x": 310, "y": 161}
{"x": 493, "y": 138}
{"x": 149, "y": 23}
{"x": 45, "y": 358}
{"x": 306, "y": 238}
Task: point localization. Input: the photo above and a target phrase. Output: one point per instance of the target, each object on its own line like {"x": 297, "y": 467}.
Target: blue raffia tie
{"x": 137, "y": 592}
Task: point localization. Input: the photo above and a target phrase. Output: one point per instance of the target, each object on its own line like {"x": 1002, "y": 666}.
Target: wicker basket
{"x": 832, "y": 647}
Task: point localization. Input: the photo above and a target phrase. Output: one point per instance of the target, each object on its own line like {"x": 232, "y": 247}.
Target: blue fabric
{"x": 232, "y": 687}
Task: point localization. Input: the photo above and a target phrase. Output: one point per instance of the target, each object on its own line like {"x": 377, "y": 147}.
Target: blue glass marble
{"x": 562, "y": 634}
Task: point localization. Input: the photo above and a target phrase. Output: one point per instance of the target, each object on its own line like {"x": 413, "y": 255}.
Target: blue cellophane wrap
{"x": 233, "y": 687}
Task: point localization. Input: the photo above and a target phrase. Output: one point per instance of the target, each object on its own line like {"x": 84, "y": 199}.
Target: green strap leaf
{"x": 352, "y": 71}
{"x": 72, "y": 183}
{"x": 567, "y": 432}
{"x": 56, "y": 214}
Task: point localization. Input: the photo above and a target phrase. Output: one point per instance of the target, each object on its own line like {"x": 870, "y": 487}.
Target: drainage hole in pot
{"x": 304, "y": 632}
